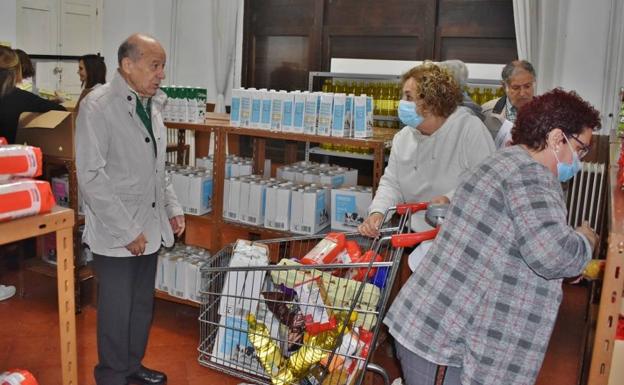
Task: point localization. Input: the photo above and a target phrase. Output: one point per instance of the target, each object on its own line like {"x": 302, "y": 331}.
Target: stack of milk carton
{"x": 234, "y": 165}
{"x": 320, "y": 173}
{"x": 277, "y": 204}
{"x": 185, "y": 104}
{"x": 303, "y": 112}
{"x": 193, "y": 188}
{"x": 178, "y": 271}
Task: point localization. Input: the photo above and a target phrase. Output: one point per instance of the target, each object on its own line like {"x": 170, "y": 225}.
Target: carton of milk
{"x": 299, "y": 112}
{"x": 309, "y": 210}
{"x": 361, "y": 128}
{"x": 326, "y": 105}
{"x": 310, "y": 114}
{"x": 246, "y": 97}
{"x": 235, "y": 107}
{"x": 338, "y": 118}
{"x": 256, "y": 108}
{"x": 349, "y": 207}
{"x": 276, "y": 110}
{"x": 277, "y": 206}
{"x": 288, "y": 104}
{"x": 265, "y": 111}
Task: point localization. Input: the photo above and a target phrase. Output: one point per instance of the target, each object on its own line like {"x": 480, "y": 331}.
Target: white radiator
{"x": 586, "y": 196}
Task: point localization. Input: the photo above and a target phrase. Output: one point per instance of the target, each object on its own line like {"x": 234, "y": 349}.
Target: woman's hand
{"x": 370, "y": 227}
{"x": 440, "y": 200}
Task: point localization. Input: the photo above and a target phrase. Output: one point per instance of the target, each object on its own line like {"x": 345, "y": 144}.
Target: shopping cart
{"x": 286, "y": 322}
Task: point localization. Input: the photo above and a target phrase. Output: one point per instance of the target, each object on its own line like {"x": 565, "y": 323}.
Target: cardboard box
{"x": 245, "y": 107}
{"x": 199, "y": 190}
{"x": 243, "y": 199}
{"x": 235, "y": 107}
{"x": 332, "y": 178}
{"x": 349, "y": 207}
{"x": 361, "y": 119}
{"x": 256, "y": 108}
{"x": 233, "y": 199}
{"x": 52, "y": 131}
{"x": 310, "y": 210}
{"x": 338, "y": 118}
{"x": 277, "y": 207}
{"x": 256, "y": 203}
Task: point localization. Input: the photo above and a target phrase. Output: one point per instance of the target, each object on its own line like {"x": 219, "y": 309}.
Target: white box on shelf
{"x": 350, "y": 175}
{"x": 310, "y": 114}
{"x": 326, "y": 105}
{"x": 256, "y": 108}
{"x": 243, "y": 199}
{"x": 299, "y": 112}
{"x": 338, "y": 118}
{"x": 233, "y": 199}
{"x": 257, "y": 201}
{"x": 349, "y": 115}
{"x": 235, "y": 107}
{"x": 310, "y": 210}
{"x": 265, "y": 114}
{"x": 277, "y": 207}
{"x": 332, "y": 178}
{"x": 199, "y": 198}
{"x": 288, "y": 101}
{"x": 349, "y": 206}
{"x": 245, "y": 106}
{"x": 180, "y": 186}
{"x": 276, "y": 110}
{"x": 226, "y": 197}
{"x": 180, "y": 277}
{"x": 361, "y": 119}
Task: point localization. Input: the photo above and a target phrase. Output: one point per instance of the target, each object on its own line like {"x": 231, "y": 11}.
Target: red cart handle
{"x": 402, "y": 208}
{"x": 412, "y": 239}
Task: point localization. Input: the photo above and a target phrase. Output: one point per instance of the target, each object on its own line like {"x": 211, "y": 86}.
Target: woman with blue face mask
{"x": 440, "y": 142}
{"x": 481, "y": 305}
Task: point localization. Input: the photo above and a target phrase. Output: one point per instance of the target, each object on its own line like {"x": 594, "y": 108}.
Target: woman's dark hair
{"x": 28, "y": 70}
{"x": 554, "y": 109}
{"x": 95, "y": 68}
{"x": 9, "y": 67}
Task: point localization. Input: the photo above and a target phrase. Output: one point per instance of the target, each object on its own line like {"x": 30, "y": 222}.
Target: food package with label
{"x": 283, "y": 306}
{"x": 19, "y": 161}
{"x": 326, "y": 251}
{"x": 241, "y": 289}
{"x": 340, "y": 292}
{"x": 24, "y": 197}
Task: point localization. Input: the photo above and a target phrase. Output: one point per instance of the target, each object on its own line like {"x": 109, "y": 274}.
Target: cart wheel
{"x": 379, "y": 370}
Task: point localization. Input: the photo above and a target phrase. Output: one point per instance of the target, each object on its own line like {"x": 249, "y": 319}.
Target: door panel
{"x": 37, "y": 26}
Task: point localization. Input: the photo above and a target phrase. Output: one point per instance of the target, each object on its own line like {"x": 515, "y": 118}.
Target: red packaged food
{"x": 3, "y": 140}
{"x": 326, "y": 250}
{"x": 25, "y": 197}
{"x": 20, "y": 161}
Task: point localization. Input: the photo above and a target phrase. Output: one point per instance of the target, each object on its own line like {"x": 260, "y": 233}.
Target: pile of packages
{"x": 286, "y": 320}
{"x": 178, "y": 271}
{"x": 19, "y": 195}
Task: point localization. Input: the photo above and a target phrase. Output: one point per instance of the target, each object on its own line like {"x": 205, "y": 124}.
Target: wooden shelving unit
{"x": 61, "y": 222}
{"x": 164, "y": 295}
{"x": 212, "y": 231}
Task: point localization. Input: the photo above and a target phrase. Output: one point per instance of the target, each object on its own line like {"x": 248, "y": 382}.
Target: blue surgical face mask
{"x": 566, "y": 171}
{"x": 408, "y": 114}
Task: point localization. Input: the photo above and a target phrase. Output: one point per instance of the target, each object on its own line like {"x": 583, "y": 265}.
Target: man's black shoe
{"x": 145, "y": 376}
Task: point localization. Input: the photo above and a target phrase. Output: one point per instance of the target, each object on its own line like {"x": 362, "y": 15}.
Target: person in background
{"x": 130, "y": 206}
{"x": 460, "y": 72}
{"x": 482, "y": 304}
{"x": 518, "y": 80}
{"x": 92, "y": 72}
{"x": 25, "y": 80}
{"x": 14, "y": 101}
{"x": 439, "y": 143}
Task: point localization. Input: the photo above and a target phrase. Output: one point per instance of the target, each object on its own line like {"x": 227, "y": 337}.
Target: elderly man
{"x": 500, "y": 114}
{"x": 131, "y": 209}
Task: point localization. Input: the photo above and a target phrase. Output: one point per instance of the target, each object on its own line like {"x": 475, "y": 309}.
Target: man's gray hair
{"x": 128, "y": 49}
{"x": 511, "y": 67}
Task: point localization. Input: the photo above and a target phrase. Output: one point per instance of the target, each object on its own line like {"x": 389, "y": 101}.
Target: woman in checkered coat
{"x": 481, "y": 306}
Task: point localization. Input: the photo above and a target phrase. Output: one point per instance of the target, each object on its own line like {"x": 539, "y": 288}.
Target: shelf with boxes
{"x": 212, "y": 230}
{"x": 53, "y": 132}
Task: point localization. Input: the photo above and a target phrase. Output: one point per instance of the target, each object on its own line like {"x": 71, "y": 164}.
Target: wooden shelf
{"x": 48, "y": 269}
{"x": 165, "y": 296}
{"x": 61, "y": 222}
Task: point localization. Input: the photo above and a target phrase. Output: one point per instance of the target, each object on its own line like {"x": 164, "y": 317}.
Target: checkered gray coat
{"x": 486, "y": 295}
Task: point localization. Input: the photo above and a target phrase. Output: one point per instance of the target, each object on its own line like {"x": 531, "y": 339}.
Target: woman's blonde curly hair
{"x": 436, "y": 87}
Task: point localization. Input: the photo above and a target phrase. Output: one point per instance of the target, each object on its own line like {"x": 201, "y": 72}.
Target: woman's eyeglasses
{"x": 584, "y": 150}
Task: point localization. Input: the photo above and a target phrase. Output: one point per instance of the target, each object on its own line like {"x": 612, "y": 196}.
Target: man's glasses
{"x": 584, "y": 150}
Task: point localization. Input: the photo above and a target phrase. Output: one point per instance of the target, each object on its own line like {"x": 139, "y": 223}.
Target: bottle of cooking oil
{"x": 487, "y": 95}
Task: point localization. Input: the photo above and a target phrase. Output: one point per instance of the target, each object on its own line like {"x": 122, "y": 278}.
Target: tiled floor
{"x": 29, "y": 339}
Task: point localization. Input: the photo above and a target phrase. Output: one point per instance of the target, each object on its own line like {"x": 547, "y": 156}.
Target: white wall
{"x": 8, "y": 20}
{"x": 584, "y": 50}
{"x": 122, "y": 18}
{"x": 192, "y": 64}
